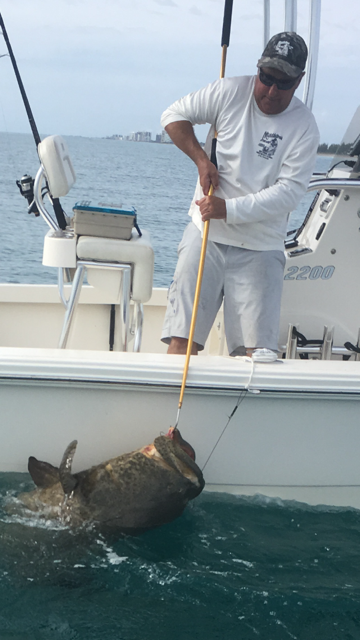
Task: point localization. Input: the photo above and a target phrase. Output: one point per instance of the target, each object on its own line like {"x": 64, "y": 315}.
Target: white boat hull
{"x": 297, "y": 439}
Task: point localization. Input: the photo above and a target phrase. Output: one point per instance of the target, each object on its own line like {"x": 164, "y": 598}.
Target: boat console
{"x": 321, "y": 304}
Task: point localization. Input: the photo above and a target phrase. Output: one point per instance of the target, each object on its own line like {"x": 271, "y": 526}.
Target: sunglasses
{"x": 283, "y": 85}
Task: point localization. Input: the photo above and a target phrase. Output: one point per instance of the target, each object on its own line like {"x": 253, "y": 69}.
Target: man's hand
{"x": 212, "y": 207}
{"x": 208, "y": 174}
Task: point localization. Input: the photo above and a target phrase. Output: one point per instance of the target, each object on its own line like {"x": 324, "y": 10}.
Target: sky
{"x": 102, "y": 67}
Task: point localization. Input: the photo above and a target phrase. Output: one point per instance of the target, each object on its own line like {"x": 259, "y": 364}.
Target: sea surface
{"x": 230, "y": 568}
{"x": 157, "y": 179}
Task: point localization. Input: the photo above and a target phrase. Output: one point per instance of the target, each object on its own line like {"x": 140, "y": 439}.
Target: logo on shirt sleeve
{"x": 268, "y": 145}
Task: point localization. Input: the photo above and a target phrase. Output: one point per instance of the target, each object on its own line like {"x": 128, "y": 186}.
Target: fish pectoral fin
{"x": 43, "y": 473}
{"x": 68, "y": 481}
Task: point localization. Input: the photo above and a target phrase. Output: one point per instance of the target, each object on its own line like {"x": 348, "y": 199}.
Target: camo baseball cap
{"x": 287, "y": 52}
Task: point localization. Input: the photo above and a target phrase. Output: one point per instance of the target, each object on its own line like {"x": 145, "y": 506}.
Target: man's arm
{"x": 274, "y": 200}
{"x": 183, "y": 136}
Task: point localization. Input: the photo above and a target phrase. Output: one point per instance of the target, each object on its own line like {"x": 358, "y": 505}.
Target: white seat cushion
{"x": 138, "y": 251}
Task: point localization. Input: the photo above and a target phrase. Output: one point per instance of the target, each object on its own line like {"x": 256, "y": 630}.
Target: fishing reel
{"x": 26, "y": 187}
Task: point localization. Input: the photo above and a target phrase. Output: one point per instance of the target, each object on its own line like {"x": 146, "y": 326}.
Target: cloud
{"x": 94, "y": 68}
{"x": 166, "y": 3}
{"x": 194, "y": 10}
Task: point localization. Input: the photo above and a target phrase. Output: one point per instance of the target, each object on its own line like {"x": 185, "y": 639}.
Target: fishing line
{"x": 238, "y": 403}
{"x": 241, "y": 397}
{"x": 5, "y": 124}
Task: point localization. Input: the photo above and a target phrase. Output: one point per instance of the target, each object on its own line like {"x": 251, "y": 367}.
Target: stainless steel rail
{"x": 71, "y": 304}
{"x": 266, "y": 22}
{"x": 39, "y": 201}
{"x": 314, "y": 39}
{"x": 336, "y": 351}
{"x": 290, "y": 15}
{"x": 332, "y": 183}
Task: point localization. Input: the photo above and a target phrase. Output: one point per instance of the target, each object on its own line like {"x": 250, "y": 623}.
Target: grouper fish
{"x": 131, "y": 493}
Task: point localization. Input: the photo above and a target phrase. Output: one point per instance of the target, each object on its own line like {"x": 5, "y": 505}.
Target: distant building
{"x": 115, "y": 136}
{"x": 140, "y": 136}
{"x": 145, "y": 136}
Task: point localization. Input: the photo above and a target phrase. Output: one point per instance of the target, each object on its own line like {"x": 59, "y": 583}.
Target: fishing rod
{"x": 225, "y": 41}
{"x": 26, "y": 184}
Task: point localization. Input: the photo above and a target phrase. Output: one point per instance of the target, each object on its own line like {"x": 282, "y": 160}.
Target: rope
{"x": 241, "y": 397}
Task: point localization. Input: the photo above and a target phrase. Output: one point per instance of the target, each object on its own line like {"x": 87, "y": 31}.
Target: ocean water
{"x": 157, "y": 179}
{"x": 230, "y": 568}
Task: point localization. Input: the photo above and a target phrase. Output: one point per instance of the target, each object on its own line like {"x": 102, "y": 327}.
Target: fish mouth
{"x": 173, "y": 458}
{"x": 174, "y": 434}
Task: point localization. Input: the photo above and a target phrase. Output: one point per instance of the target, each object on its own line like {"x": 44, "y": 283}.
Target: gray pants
{"x": 249, "y": 283}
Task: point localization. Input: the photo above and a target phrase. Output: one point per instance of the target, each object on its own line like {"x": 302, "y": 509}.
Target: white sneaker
{"x": 264, "y": 355}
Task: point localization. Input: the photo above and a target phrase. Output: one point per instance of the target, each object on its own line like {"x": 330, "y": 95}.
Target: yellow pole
{"x": 199, "y": 276}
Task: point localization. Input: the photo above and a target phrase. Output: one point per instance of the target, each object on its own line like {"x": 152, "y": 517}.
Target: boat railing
{"x": 324, "y": 350}
{"x": 39, "y": 178}
{"x": 333, "y": 186}
{"x": 332, "y": 183}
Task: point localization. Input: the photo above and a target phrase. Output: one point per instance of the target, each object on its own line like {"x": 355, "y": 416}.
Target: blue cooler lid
{"x": 104, "y": 208}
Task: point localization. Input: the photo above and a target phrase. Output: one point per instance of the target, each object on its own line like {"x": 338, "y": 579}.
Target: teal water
{"x": 229, "y": 568}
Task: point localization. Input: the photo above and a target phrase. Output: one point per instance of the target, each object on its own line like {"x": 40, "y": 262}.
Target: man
{"x": 266, "y": 149}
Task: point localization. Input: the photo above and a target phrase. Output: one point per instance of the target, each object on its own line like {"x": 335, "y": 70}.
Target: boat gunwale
{"x": 305, "y": 394}
{"x": 214, "y": 374}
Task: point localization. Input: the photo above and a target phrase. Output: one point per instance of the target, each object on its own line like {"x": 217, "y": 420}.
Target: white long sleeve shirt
{"x": 265, "y": 161}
